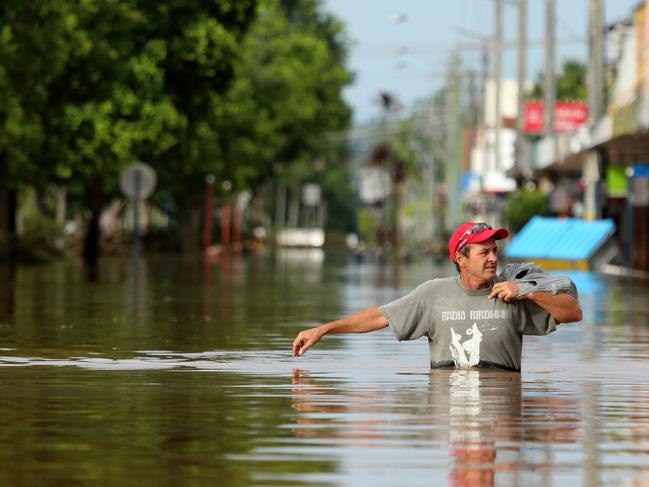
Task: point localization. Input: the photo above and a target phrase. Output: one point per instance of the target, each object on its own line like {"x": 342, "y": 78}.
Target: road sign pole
{"x": 137, "y": 180}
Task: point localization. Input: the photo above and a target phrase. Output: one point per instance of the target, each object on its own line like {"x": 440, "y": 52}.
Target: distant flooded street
{"x": 180, "y": 373}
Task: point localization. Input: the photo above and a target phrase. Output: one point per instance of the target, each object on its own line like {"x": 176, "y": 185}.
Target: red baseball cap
{"x": 473, "y": 232}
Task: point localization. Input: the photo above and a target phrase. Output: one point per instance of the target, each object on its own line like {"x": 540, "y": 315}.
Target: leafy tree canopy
{"x": 234, "y": 88}
{"x": 570, "y": 83}
{"x": 286, "y": 95}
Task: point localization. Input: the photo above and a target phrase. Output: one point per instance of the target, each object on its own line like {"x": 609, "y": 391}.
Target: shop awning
{"x": 569, "y": 243}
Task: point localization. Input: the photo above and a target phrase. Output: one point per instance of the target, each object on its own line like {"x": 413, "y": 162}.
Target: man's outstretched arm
{"x": 364, "y": 321}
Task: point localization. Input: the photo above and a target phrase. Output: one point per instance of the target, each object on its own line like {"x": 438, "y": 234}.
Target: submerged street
{"x": 182, "y": 374}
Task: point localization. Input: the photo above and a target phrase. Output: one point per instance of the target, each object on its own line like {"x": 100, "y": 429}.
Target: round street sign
{"x": 138, "y": 181}
{"x": 311, "y": 194}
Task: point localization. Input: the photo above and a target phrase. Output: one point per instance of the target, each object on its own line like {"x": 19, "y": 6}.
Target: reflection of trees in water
{"x": 7, "y": 276}
{"x": 179, "y": 303}
{"x": 480, "y": 414}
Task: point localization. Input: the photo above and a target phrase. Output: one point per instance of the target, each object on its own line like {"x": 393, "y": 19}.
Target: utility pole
{"x": 483, "y": 45}
{"x": 549, "y": 90}
{"x": 520, "y": 164}
{"x": 595, "y": 69}
{"x": 453, "y": 95}
{"x": 498, "y": 58}
{"x": 484, "y": 60}
{"x": 595, "y": 93}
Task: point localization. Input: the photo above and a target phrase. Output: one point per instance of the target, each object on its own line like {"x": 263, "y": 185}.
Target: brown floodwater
{"x": 181, "y": 374}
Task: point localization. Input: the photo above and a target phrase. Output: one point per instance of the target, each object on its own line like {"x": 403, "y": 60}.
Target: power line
{"x": 442, "y": 50}
{"x": 573, "y": 35}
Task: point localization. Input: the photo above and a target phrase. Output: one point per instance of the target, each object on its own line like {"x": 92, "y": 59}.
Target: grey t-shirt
{"x": 465, "y": 328}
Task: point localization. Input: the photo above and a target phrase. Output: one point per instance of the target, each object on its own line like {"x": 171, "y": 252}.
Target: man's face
{"x": 482, "y": 261}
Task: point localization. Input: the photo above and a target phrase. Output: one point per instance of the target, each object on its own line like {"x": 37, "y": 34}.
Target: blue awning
{"x": 560, "y": 239}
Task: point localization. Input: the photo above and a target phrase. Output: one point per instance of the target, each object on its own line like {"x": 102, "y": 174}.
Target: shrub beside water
{"x": 521, "y": 205}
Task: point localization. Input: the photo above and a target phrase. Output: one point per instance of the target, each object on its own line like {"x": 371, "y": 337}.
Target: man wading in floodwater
{"x": 476, "y": 319}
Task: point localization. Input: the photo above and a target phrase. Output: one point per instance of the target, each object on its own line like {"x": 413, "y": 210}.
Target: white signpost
{"x": 376, "y": 184}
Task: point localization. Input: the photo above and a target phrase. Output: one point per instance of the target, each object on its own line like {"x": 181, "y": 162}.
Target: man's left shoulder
{"x": 436, "y": 282}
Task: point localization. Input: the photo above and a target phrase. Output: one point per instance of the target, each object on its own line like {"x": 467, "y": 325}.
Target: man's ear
{"x": 460, "y": 259}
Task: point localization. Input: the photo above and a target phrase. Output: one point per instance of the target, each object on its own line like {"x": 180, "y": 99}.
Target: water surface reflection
{"x": 464, "y": 427}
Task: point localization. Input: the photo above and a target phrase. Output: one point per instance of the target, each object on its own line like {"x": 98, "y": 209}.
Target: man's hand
{"x": 306, "y": 339}
{"x": 370, "y": 319}
{"x": 505, "y": 291}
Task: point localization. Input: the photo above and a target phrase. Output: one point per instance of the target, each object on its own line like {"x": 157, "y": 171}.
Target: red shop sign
{"x": 567, "y": 116}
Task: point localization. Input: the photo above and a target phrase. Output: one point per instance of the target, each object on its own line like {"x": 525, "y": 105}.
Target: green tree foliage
{"x": 191, "y": 50}
{"x": 197, "y": 45}
{"x": 338, "y": 189}
{"x": 35, "y": 44}
{"x": 192, "y": 87}
{"x": 285, "y": 99}
{"x": 570, "y": 83}
{"x": 99, "y": 84}
{"x": 37, "y": 41}
{"x": 521, "y": 205}
{"x": 287, "y": 92}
